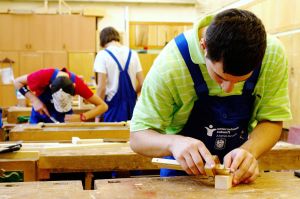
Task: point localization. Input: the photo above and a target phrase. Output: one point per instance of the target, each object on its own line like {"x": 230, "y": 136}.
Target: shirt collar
{"x": 197, "y": 53}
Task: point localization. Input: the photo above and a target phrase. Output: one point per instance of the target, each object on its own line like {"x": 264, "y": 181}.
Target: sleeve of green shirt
{"x": 274, "y": 104}
{"x": 155, "y": 105}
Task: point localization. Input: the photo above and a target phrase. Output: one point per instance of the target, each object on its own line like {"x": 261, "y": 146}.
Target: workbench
{"x": 89, "y": 158}
{"x": 268, "y": 185}
{"x": 14, "y": 112}
{"x": 65, "y": 131}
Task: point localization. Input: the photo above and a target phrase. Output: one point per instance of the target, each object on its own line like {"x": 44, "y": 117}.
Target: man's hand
{"x": 72, "y": 118}
{"x": 191, "y": 154}
{"x": 40, "y": 107}
{"x": 243, "y": 165}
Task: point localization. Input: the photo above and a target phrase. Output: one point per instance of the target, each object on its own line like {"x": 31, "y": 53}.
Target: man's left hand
{"x": 243, "y": 165}
{"x": 72, "y": 118}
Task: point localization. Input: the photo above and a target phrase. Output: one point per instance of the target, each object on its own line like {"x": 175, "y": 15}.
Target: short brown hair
{"x": 107, "y": 35}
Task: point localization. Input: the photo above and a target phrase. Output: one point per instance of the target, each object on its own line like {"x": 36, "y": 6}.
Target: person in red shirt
{"x": 50, "y": 92}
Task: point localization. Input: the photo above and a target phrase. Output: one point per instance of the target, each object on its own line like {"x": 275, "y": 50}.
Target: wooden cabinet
{"x": 82, "y": 64}
{"x": 147, "y": 61}
{"x": 48, "y": 32}
{"x": 154, "y": 35}
{"x": 30, "y": 62}
{"x": 78, "y": 33}
{"x": 13, "y": 32}
{"x": 54, "y": 59}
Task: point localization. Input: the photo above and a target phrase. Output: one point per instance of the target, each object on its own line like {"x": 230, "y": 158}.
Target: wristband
{"x": 24, "y": 90}
{"x": 82, "y": 117}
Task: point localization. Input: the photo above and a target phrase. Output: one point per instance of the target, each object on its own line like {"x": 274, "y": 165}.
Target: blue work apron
{"x": 120, "y": 107}
{"x": 221, "y": 123}
{"x": 46, "y": 98}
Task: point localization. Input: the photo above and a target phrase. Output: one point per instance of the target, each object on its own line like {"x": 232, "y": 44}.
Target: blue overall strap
{"x": 199, "y": 83}
{"x": 116, "y": 60}
{"x": 251, "y": 82}
{"x": 128, "y": 61}
{"x": 54, "y": 75}
{"x": 73, "y": 76}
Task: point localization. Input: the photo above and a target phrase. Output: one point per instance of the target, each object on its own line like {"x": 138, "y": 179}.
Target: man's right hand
{"x": 191, "y": 154}
{"x": 40, "y": 107}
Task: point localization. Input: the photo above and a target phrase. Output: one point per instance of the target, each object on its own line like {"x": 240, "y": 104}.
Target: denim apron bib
{"x": 221, "y": 123}
{"x": 120, "y": 107}
{"x": 46, "y": 98}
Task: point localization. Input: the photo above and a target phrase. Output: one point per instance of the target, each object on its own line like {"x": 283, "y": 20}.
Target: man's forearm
{"x": 263, "y": 138}
{"x": 151, "y": 143}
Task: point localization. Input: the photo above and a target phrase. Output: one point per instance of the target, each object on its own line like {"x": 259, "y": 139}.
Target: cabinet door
{"x": 55, "y": 59}
{"x": 30, "y": 62}
{"x": 82, "y": 65}
{"x": 78, "y": 33}
{"x": 45, "y": 32}
{"x": 14, "y": 32}
{"x": 147, "y": 61}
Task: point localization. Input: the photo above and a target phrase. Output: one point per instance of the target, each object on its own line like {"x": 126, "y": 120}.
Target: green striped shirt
{"x": 168, "y": 93}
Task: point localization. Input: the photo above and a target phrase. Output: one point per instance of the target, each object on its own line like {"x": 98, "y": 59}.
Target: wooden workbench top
{"x": 268, "y": 185}
{"x": 45, "y": 190}
{"x": 65, "y": 131}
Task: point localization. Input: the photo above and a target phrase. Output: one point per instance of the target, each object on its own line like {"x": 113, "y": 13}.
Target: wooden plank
{"x": 268, "y": 185}
{"x": 14, "y": 112}
{"x": 173, "y": 164}
{"x": 28, "y": 155}
{"x": 62, "y": 132}
{"x": 105, "y": 158}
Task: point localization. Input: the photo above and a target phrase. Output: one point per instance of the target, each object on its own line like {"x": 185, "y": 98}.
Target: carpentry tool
{"x": 11, "y": 148}
{"x": 54, "y": 120}
{"x": 219, "y": 169}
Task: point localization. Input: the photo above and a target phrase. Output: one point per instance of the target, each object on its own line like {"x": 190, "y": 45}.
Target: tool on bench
{"x": 14, "y": 147}
{"x": 54, "y": 120}
{"x": 219, "y": 169}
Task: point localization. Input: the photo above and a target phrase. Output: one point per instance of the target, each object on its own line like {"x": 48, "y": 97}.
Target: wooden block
{"x": 223, "y": 181}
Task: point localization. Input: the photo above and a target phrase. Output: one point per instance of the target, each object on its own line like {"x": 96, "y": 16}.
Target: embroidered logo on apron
{"x": 210, "y": 129}
{"x": 220, "y": 143}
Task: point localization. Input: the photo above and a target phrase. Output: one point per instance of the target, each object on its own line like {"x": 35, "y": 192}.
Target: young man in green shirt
{"x": 207, "y": 90}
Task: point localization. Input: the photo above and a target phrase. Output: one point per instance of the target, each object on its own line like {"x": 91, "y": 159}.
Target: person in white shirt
{"x": 119, "y": 75}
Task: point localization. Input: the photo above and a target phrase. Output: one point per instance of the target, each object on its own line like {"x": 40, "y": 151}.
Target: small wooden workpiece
{"x": 223, "y": 177}
{"x": 223, "y": 181}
